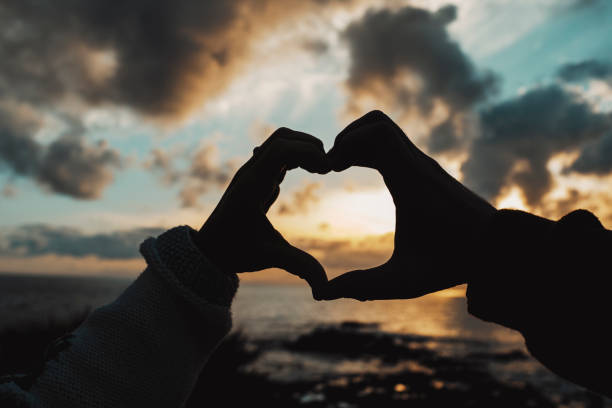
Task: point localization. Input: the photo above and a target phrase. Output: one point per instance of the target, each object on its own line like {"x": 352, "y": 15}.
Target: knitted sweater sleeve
{"x": 147, "y": 347}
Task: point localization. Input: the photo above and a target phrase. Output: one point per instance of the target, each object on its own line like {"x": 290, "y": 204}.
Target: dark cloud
{"x": 406, "y": 61}
{"x": 388, "y": 48}
{"x": 586, "y": 70}
{"x": 67, "y": 165}
{"x": 595, "y": 157}
{"x": 160, "y": 59}
{"x": 301, "y": 200}
{"x": 18, "y": 149}
{"x": 578, "y": 4}
{"x": 442, "y": 137}
{"x": 521, "y": 135}
{"x": 41, "y": 239}
{"x": 71, "y": 167}
{"x": 156, "y": 57}
{"x": 153, "y": 51}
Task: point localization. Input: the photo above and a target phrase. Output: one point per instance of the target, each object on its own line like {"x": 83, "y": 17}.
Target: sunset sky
{"x": 120, "y": 119}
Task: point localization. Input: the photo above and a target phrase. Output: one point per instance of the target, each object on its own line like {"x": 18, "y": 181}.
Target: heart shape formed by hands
{"x": 436, "y": 216}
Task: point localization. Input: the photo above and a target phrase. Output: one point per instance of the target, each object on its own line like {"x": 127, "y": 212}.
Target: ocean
{"x": 272, "y": 316}
{"x": 261, "y": 310}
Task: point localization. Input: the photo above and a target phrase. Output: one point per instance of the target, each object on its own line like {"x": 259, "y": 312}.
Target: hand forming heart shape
{"x": 238, "y": 237}
{"x": 436, "y": 216}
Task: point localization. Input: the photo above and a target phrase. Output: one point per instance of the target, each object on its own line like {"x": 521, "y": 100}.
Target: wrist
{"x": 176, "y": 257}
{"x": 210, "y": 245}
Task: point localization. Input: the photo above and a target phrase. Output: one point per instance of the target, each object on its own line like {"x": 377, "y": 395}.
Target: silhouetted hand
{"x": 237, "y": 237}
{"x": 437, "y": 218}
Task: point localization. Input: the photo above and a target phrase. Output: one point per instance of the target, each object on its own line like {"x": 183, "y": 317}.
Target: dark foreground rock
{"x": 387, "y": 370}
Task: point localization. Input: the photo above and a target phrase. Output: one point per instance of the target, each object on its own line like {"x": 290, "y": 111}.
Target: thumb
{"x": 302, "y": 264}
{"x": 368, "y": 284}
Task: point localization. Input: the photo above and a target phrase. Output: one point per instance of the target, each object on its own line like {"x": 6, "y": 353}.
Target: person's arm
{"x": 546, "y": 279}
{"x": 146, "y": 349}
{"x": 549, "y": 280}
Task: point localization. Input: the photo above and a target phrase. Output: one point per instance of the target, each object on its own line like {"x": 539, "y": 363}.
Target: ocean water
{"x": 260, "y": 310}
{"x": 288, "y": 310}
{"x": 277, "y": 313}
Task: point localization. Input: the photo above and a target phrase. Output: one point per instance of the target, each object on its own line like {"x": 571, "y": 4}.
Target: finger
{"x": 256, "y": 181}
{"x": 284, "y": 133}
{"x": 289, "y": 153}
{"x": 302, "y": 264}
{"x": 291, "y": 134}
{"x": 368, "y": 142}
{"x": 364, "y": 146}
{"x": 369, "y": 118}
{"x": 369, "y": 284}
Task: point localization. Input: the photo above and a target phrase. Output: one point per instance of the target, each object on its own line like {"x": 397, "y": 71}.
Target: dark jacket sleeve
{"x": 549, "y": 280}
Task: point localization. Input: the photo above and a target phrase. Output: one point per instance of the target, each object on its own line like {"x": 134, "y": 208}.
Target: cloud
{"x": 38, "y": 240}
{"x": 260, "y": 131}
{"x": 578, "y": 4}
{"x": 150, "y": 56}
{"x": 405, "y": 59}
{"x": 316, "y": 46}
{"x": 302, "y": 200}
{"x": 68, "y": 165}
{"x": 204, "y": 171}
{"x": 595, "y": 157}
{"x": 341, "y": 255}
{"x": 159, "y": 59}
{"x": 590, "y": 69}
{"x": 156, "y": 58}
{"x": 161, "y": 163}
{"x": 41, "y": 239}
{"x": 521, "y": 135}
{"x": 71, "y": 167}
{"x": 9, "y": 190}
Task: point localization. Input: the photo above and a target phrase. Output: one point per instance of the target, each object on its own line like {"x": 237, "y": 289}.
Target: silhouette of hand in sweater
{"x": 436, "y": 216}
{"x": 237, "y": 237}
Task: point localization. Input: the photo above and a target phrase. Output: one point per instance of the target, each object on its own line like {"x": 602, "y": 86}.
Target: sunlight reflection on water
{"x": 261, "y": 310}
{"x": 285, "y": 310}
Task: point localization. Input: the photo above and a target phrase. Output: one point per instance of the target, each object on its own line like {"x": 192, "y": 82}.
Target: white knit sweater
{"x": 146, "y": 348}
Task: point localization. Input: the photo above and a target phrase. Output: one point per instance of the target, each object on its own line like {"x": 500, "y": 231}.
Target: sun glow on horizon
{"x": 343, "y": 213}
{"x": 513, "y": 199}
